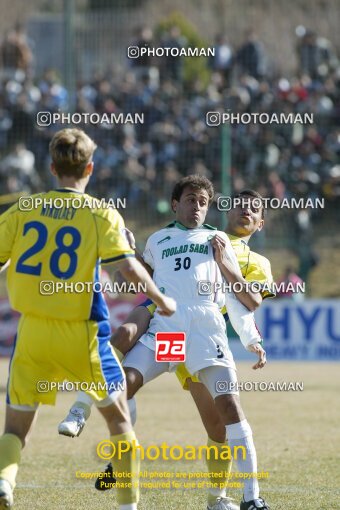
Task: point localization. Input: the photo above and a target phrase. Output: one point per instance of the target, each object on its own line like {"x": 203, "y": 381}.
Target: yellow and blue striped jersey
{"x": 57, "y": 242}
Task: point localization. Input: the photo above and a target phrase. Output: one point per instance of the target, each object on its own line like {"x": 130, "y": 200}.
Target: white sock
{"x": 84, "y": 398}
{"x": 133, "y": 410}
{"x": 239, "y": 434}
{"x": 85, "y": 402}
{"x": 131, "y": 506}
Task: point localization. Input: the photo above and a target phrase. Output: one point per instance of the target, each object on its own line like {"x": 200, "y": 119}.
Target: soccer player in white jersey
{"x": 180, "y": 256}
{"x": 184, "y": 250}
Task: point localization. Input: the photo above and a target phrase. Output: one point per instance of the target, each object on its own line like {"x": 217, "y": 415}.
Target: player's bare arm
{"x": 132, "y": 242}
{"x": 134, "y": 272}
{"x": 127, "y": 334}
{"x": 118, "y": 274}
{"x": 251, "y": 300}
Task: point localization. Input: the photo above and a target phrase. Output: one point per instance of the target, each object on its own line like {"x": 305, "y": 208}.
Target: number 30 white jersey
{"x": 183, "y": 259}
{"x": 185, "y": 269}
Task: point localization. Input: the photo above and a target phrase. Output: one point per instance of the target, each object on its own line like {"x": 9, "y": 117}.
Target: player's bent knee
{"x": 123, "y": 337}
{"x": 17, "y": 432}
{"x": 19, "y": 421}
{"x": 216, "y": 427}
{"x": 216, "y": 430}
{"x": 134, "y": 381}
{"x": 231, "y": 400}
{"x": 229, "y": 407}
{"x": 116, "y": 410}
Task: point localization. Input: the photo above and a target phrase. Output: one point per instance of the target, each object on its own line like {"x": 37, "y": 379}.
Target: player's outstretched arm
{"x": 134, "y": 272}
{"x": 242, "y": 320}
{"x": 119, "y": 278}
{"x": 132, "y": 242}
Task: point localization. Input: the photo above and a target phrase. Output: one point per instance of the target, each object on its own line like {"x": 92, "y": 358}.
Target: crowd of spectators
{"x": 142, "y": 161}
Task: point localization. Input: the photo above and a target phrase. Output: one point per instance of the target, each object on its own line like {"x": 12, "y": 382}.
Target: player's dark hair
{"x": 252, "y": 193}
{"x": 193, "y": 181}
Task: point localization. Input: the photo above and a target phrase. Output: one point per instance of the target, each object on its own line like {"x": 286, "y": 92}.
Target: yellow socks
{"x": 126, "y": 463}
{"x": 10, "y": 453}
{"x": 218, "y": 466}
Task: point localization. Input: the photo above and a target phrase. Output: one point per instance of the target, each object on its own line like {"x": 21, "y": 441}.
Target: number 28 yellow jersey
{"x": 56, "y": 242}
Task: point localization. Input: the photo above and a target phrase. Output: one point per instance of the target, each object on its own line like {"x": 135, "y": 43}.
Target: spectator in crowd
{"x": 222, "y": 60}
{"x": 251, "y": 57}
{"x": 54, "y": 94}
{"x": 16, "y": 55}
{"x": 316, "y": 55}
{"x": 142, "y": 63}
{"x": 302, "y": 237}
{"x": 172, "y": 66}
{"x": 17, "y": 171}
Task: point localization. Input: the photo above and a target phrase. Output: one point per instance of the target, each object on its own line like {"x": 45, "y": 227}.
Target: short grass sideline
{"x": 296, "y": 434}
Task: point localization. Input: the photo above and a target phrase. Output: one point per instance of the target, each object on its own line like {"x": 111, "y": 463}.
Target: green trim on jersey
{"x": 178, "y": 224}
{"x": 209, "y": 227}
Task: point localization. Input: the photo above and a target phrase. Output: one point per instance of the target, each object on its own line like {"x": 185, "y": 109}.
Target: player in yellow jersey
{"x": 62, "y": 237}
{"x": 243, "y": 221}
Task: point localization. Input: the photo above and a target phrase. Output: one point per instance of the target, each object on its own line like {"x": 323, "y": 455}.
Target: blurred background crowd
{"x": 280, "y": 160}
{"x": 142, "y": 162}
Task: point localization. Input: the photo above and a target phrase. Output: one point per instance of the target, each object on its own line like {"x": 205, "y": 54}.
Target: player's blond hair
{"x": 71, "y": 150}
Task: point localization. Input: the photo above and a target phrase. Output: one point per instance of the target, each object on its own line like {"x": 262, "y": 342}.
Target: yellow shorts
{"x": 183, "y": 374}
{"x": 50, "y": 351}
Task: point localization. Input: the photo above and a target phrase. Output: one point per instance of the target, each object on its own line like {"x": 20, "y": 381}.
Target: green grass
{"x": 297, "y": 436}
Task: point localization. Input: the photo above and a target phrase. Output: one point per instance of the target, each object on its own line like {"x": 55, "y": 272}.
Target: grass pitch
{"x": 297, "y": 435}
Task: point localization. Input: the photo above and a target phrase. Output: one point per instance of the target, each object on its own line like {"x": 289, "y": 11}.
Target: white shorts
{"x": 219, "y": 381}
{"x": 142, "y": 358}
{"x": 206, "y": 339}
